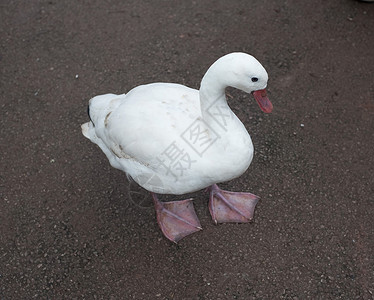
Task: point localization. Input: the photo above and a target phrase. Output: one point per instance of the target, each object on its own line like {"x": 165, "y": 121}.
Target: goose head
{"x": 244, "y": 72}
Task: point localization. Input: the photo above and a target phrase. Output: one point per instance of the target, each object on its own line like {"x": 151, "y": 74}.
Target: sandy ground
{"x": 72, "y": 227}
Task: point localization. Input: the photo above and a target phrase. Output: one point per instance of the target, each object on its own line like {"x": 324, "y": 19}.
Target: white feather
{"x": 172, "y": 139}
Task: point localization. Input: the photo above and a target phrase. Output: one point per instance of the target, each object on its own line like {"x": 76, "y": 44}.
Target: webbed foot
{"x": 176, "y": 219}
{"x": 225, "y": 206}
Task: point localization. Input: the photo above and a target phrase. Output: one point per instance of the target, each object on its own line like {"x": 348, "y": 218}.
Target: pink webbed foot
{"x": 225, "y": 206}
{"x": 176, "y": 219}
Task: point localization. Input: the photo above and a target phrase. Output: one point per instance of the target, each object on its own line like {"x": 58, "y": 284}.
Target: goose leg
{"x": 225, "y": 206}
{"x": 176, "y": 219}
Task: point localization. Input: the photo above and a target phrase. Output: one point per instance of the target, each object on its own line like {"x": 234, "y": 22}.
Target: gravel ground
{"x": 72, "y": 227}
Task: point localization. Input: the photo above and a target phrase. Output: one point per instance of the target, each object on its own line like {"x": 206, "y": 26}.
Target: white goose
{"x": 172, "y": 139}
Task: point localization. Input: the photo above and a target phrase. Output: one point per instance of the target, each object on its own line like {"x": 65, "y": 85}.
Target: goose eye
{"x": 254, "y": 79}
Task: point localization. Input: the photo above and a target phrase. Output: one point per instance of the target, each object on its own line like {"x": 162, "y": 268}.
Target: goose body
{"x": 172, "y": 139}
